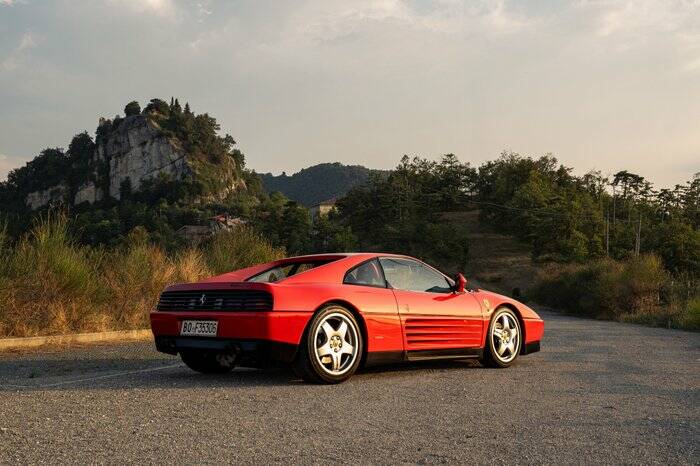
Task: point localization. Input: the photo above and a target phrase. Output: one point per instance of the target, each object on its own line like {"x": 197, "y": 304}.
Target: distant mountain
{"x": 318, "y": 182}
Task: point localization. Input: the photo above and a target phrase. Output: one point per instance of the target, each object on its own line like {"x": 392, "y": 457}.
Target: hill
{"x": 319, "y": 182}
{"x": 161, "y": 143}
{"x": 159, "y": 168}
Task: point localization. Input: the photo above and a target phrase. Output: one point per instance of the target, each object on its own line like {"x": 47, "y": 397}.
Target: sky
{"x": 604, "y": 85}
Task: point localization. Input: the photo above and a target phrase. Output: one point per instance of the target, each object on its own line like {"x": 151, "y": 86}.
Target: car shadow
{"x": 50, "y": 374}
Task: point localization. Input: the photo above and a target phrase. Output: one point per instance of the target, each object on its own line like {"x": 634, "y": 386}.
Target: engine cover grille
{"x": 215, "y": 300}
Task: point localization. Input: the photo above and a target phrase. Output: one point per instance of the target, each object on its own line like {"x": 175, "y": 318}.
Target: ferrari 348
{"x": 329, "y": 314}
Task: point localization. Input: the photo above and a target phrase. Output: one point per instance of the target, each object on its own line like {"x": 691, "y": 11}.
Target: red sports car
{"x": 329, "y": 314}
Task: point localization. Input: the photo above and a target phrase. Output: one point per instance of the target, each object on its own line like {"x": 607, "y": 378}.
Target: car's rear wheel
{"x": 504, "y": 339}
{"x": 331, "y": 348}
{"x": 208, "y": 362}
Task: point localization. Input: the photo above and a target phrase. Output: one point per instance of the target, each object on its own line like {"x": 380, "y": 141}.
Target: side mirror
{"x": 460, "y": 283}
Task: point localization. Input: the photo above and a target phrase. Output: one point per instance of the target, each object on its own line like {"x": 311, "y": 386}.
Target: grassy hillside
{"x": 496, "y": 261}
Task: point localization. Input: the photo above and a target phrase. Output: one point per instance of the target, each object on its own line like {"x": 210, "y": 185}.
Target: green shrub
{"x": 634, "y": 290}
{"x": 689, "y": 318}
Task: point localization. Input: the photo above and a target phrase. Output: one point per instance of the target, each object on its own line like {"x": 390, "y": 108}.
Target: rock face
{"x": 87, "y": 193}
{"x": 55, "y": 195}
{"x": 138, "y": 151}
{"x": 135, "y": 151}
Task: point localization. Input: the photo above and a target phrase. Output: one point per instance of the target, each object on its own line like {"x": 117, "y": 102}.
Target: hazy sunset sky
{"x": 603, "y": 85}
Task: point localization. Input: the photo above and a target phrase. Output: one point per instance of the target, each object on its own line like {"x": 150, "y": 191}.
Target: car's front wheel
{"x": 504, "y": 339}
{"x": 208, "y": 362}
{"x": 331, "y": 348}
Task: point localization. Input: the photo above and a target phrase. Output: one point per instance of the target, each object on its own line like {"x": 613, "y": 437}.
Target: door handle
{"x": 405, "y": 308}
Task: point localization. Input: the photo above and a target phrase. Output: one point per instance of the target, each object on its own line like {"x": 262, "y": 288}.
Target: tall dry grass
{"x": 51, "y": 285}
{"x": 239, "y": 248}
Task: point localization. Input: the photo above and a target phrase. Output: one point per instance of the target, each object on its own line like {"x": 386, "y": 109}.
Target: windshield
{"x": 283, "y": 271}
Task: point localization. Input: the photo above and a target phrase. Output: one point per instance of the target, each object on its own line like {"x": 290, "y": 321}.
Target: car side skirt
{"x": 529, "y": 348}
{"x": 377, "y": 358}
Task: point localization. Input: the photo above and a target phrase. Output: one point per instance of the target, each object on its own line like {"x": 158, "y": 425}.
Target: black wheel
{"x": 331, "y": 347}
{"x": 208, "y": 362}
{"x": 503, "y": 340}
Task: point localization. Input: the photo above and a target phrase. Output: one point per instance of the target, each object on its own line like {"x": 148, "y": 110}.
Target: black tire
{"x": 309, "y": 366}
{"x": 208, "y": 362}
{"x": 491, "y": 357}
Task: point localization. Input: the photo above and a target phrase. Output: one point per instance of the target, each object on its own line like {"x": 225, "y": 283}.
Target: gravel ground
{"x": 599, "y": 392}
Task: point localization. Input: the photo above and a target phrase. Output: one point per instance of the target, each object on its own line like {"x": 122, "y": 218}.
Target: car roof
{"x": 340, "y": 255}
{"x": 333, "y": 271}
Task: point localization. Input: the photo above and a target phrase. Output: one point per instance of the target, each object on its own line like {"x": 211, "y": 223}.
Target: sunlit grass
{"x": 49, "y": 284}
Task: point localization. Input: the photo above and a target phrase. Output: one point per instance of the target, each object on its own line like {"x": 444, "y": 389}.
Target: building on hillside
{"x": 195, "y": 234}
{"x": 322, "y": 208}
{"x": 225, "y": 222}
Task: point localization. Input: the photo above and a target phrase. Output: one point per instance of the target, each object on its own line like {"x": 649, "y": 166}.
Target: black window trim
{"x": 286, "y": 263}
{"x": 381, "y": 270}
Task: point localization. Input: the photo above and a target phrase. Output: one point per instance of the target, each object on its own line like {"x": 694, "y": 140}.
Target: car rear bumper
{"x": 248, "y": 333}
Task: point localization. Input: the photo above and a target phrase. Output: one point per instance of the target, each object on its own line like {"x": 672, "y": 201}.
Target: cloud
{"x": 161, "y": 8}
{"x": 7, "y": 2}
{"x": 627, "y": 25}
{"x": 204, "y": 9}
{"x": 629, "y": 17}
{"x": 14, "y": 60}
{"x": 5, "y": 166}
{"x": 333, "y": 19}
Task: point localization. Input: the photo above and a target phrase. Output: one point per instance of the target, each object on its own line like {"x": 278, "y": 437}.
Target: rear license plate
{"x": 199, "y": 328}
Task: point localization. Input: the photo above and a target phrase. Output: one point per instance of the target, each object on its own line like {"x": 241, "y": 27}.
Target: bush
{"x": 47, "y": 282}
{"x": 132, "y": 108}
{"x": 689, "y": 319}
{"x": 635, "y": 290}
{"x": 239, "y": 248}
{"x": 51, "y": 285}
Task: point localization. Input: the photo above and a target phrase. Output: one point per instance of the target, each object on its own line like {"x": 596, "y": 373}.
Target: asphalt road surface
{"x": 598, "y": 392}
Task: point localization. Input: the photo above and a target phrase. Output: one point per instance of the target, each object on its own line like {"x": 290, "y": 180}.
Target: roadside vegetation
{"x": 637, "y": 290}
{"x": 50, "y": 284}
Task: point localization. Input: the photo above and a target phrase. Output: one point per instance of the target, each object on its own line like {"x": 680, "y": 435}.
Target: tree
{"x": 158, "y": 106}
{"x": 403, "y": 212}
{"x": 132, "y": 109}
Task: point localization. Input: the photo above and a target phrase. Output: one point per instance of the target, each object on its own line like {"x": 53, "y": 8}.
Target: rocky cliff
{"x": 137, "y": 150}
{"x": 132, "y": 150}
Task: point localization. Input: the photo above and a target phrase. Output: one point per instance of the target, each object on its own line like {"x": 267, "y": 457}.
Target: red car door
{"x": 435, "y": 320}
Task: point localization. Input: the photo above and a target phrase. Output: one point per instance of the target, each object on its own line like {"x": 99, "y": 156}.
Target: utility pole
{"x": 638, "y": 242}
{"x": 614, "y": 211}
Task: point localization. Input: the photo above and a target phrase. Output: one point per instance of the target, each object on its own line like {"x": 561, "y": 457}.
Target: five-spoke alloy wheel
{"x": 504, "y": 339}
{"x": 332, "y": 346}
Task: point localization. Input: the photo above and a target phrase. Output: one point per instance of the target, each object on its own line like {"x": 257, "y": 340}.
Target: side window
{"x": 368, "y": 274}
{"x": 406, "y": 274}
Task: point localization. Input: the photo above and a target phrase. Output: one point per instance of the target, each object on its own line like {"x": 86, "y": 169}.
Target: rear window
{"x": 367, "y": 274}
{"x": 283, "y": 271}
